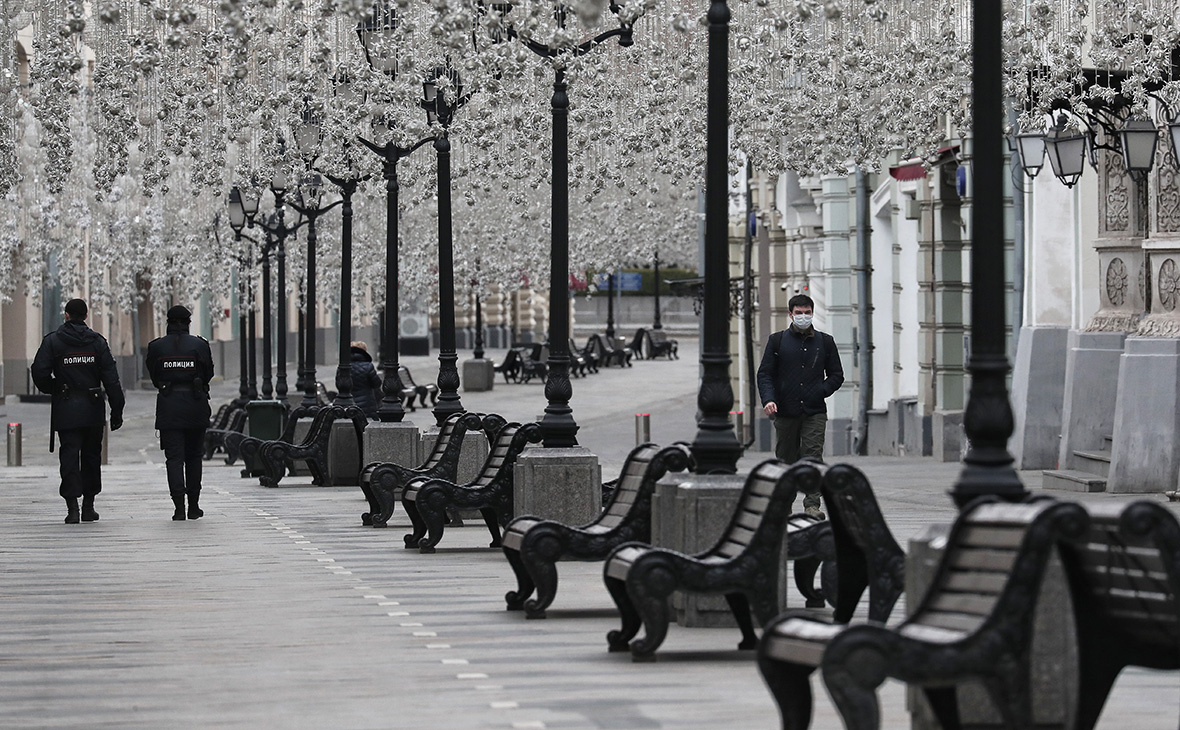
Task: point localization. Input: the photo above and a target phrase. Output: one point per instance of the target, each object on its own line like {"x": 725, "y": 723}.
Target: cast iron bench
{"x": 534, "y": 363}
{"x": 585, "y": 356}
{"x": 867, "y": 556}
{"x": 235, "y": 422}
{"x": 509, "y": 367}
{"x": 1124, "y": 579}
{"x": 975, "y": 623}
{"x": 410, "y": 389}
{"x": 743, "y": 566}
{"x": 534, "y": 545}
{"x": 274, "y": 456}
{"x": 608, "y": 354}
{"x": 427, "y": 500}
{"x": 659, "y": 344}
{"x": 246, "y": 447}
{"x": 383, "y": 481}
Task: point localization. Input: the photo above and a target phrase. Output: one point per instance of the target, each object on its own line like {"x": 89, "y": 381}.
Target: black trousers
{"x": 80, "y": 457}
{"x": 183, "y": 449}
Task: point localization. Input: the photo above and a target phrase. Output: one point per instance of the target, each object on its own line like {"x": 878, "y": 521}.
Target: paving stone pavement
{"x": 279, "y": 610}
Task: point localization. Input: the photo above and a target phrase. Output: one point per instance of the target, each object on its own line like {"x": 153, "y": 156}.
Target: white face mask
{"x": 802, "y": 321}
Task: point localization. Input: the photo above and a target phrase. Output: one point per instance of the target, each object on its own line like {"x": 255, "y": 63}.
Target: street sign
{"x": 623, "y": 282}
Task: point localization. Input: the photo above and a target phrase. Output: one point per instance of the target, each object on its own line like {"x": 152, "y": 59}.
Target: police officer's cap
{"x": 76, "y": 309}
{"x": 179, "y": 314}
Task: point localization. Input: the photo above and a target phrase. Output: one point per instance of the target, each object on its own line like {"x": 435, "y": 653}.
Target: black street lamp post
{"x": 610, "y": 308}
{"x": 391, "y": 409}
{"x": 309, "y": 207}
{"x": 300, "y": 380}
{"x": 657, "y": 325}
{"x": 558, "y": 428}
{"x": 988, "y": 420}
{"x": 716, "y": 448}
{"x": 440, "y": 107}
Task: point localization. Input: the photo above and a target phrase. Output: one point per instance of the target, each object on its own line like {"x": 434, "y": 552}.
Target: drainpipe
{"x": 864, "y": 343}
{"x": 1017, "y": 242}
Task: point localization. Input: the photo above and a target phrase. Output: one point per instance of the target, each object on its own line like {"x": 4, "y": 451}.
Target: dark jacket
{"x": 798, "y": 371}
{"x": 366, "y": 384}
{"x": 75, "y": 365}
{"x": 181, "y": 366}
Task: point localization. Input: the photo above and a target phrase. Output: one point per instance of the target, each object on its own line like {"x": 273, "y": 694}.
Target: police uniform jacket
{"x": 798, "y": 371}
{"x": 75, "y": 365}
{"x": 180, "y": 366}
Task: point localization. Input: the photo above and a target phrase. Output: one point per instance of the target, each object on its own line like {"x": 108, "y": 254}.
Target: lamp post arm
{"x": 386, "y": 152}
{"x": 310, "y": 213}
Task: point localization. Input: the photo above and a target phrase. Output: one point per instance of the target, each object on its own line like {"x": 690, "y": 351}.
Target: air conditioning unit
{"x": 413, "y": 325}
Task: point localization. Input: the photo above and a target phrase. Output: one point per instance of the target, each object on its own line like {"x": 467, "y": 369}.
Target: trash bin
{"x": 264, "y": 420}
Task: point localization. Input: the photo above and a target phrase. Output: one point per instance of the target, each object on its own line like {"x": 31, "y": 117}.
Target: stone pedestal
{"x": 948, "y": 442}
{"x": 1038, "y": 396}
{"x": 395, "y": 442}
{"x": 471, "y": 458}
{"x": 478, "y": 375}
{"x": 1091, "y": 371}
{"x": 558, "y": 484}
{"x": 689, "y": 514}
{"x": 1054, "y": 660}
{"x": 1143, "y": 454}
{"x": 298, "y": 467}
{"x": 344, "y": 464}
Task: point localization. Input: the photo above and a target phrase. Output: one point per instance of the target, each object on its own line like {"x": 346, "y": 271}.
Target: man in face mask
{"x": 800, "y": 368}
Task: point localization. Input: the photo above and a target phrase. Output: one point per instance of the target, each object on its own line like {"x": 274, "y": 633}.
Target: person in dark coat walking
{"x": 181, "y": 366}
{"x": 74, "y": 365}
{"x": 366, "y": 383}
{"x": 800, "y": 368}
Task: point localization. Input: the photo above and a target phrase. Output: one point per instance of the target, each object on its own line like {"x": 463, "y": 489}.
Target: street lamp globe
{"x": 250, "y": 203}
{"x": 1066, "y": 147}
{"x": 278, "y": 183}
{"x": 237, "y": 213}
{"x": 1031, "y": 146}
{"x": 376, "y": 34}
{"x": 307, "y": 138}
{"x": 1139, "y": 138}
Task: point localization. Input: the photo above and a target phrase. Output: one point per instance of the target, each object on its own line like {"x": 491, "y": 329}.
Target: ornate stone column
{"x": 1144, "y": 457}
{"x": 1122, "y": 222}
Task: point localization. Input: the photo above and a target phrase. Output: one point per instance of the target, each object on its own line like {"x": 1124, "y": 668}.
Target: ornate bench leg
{"x": 493, "y": 523}
{"x": 805, "y": 570}
{"x": 651, "y": 602}
{"x": 419, "y": 529}
{"x": 540, "y": 562}
{"x": 854, "y": 692}
{"x": 524, "y": 582}
{"x": 740, "y": 606}
{"x": 316, "y": 464}
{"x": 382, "y": 495}
{"x": 432, "y": 501}
{"x": 790, "y": 684}
{"x": 945, "y": 706}
{"x": 620, "y": 640}
{"x": 851, "y": 580}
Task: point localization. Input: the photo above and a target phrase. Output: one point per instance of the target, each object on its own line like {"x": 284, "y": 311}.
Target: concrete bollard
{"x": 642, "y": 428}
{"x": 14, "y": 452}
{"x": 739, "y": 425}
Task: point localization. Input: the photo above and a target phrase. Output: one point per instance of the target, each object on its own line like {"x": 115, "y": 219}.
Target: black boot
{"x": 72, "y": 511}
{"x": 194, "y": 509}
{"x": 88, "y": 513}
{"x": 178, "y": 500}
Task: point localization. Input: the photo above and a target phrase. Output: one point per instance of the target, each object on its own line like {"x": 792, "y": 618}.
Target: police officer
{"x": 74, "y": 365}
{"x": 181, "y": 366}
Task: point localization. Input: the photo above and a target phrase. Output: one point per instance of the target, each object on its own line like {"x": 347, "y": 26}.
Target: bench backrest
{"x": 321, "y": 422}
{"x": 764, "y": 505}
{"x": 992, "y": 569}
{"x": 510, "y": 441}
{"x": 1123, "y": 575}
{"x": 403, "y": 374}
{"x": 657, "y": 336}
{"x": 450, "y": 437}
{"x": 644, "y": 466}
